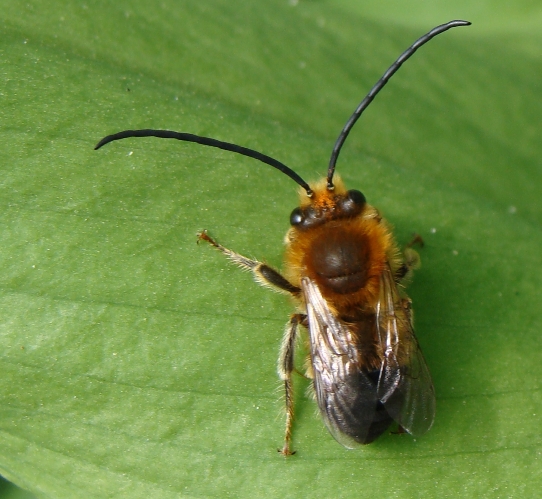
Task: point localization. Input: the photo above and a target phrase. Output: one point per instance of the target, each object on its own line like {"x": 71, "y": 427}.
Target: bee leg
{"x": 285, "y": 368}
{"x": 263, "y": 274}
{"x": 416, "y": 239}
{"x": 411, "y": 259}
{"x": 269, "y": 277}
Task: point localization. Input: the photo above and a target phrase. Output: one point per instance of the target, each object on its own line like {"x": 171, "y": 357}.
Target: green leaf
{"x": 136, "y": 363}
{"x": 10, "y": 491}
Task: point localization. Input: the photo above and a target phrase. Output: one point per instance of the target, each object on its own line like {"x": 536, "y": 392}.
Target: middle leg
{"x": 285, "y": 370}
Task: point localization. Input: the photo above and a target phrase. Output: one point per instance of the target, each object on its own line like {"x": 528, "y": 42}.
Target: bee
{"x": 346, "y": 275}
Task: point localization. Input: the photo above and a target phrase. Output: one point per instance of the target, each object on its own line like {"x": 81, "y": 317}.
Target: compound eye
{"x": 352, "y": 204}
{"x": 297, "y": 218}
{"x": 356, "y": 197}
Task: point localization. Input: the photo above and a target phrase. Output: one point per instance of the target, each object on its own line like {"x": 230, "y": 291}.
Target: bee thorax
{"x": 340, "y": 262}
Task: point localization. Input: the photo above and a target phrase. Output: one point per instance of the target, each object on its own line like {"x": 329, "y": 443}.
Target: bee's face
{"x": 326, "y": 205}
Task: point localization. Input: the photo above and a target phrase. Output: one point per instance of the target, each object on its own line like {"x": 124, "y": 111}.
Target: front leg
{"x": 263, "y": 274}
{"x": 411, "y": 260}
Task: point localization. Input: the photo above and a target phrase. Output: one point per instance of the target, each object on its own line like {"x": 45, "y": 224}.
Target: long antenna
{"x": 206, "y": 141}
{"x": 378, "y": 86}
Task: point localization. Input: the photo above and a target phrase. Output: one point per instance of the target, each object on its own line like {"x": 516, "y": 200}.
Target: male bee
{"x": 345, "y": 274}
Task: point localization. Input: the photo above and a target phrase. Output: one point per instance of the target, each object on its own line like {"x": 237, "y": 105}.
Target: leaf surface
{"x": 136, "y": 363}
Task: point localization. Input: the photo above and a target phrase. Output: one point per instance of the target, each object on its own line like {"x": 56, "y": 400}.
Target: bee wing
{"x": 345, "y": 395}
{"x": 404, "y": 385}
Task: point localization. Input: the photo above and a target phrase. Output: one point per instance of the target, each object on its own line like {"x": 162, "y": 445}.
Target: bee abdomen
{"x": 354, "y": 410}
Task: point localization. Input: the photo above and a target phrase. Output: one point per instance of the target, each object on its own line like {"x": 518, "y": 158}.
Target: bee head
{"x": 325, "y": 205}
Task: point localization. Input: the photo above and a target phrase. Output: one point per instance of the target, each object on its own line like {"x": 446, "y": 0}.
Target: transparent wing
{"x": 404, "y": 385}
{"x": 346, "y": 396}
{"x": 356, "y": 401}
